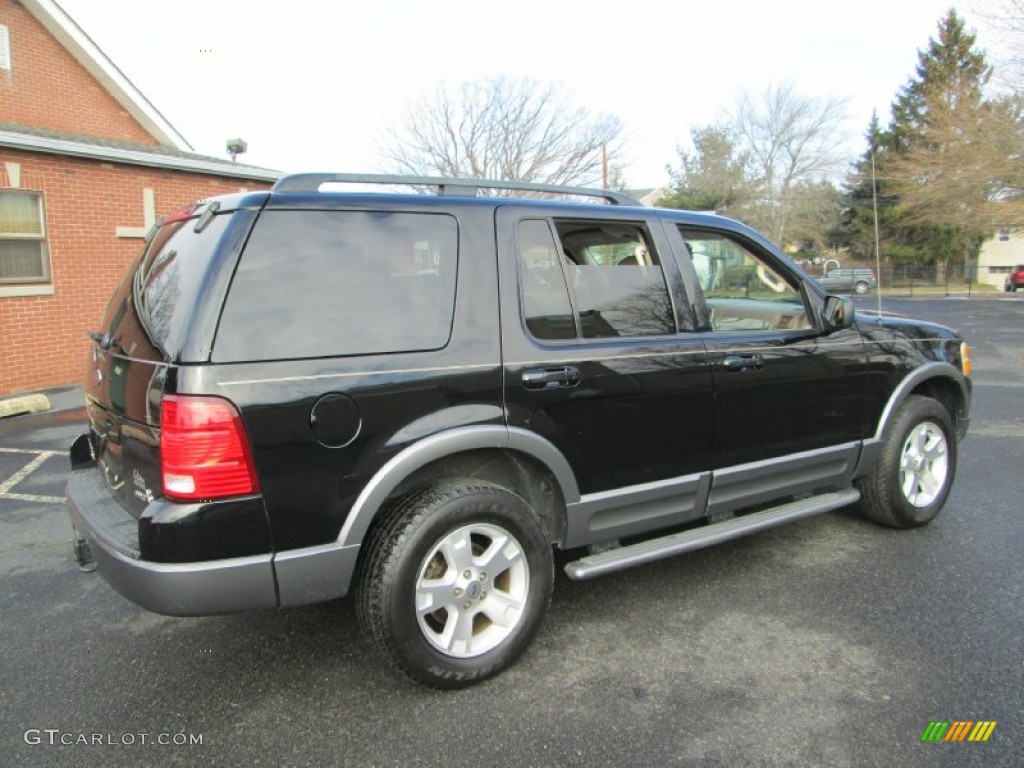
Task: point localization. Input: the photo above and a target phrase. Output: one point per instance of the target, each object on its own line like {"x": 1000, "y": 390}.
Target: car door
{"x": 599, "y": 359}
{"x": 789, "y": 393}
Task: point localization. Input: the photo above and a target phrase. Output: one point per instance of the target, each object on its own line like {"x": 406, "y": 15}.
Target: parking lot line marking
{"x": 32, "y": 497}
{"x": 25, "y": 471}
{"x": 30, "y": 450}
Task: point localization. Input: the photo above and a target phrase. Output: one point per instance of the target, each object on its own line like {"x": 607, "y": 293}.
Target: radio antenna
{"x": 878, "y": 248}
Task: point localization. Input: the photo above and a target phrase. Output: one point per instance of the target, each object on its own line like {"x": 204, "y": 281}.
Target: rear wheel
{"x": 455, "y": 582}
{"x": 915, "y": 470}
{"x": 861, "y": 288}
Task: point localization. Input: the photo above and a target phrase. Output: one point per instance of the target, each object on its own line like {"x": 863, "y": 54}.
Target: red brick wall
{"x": 42, "y": 338}
{"x": 46, "y": 87}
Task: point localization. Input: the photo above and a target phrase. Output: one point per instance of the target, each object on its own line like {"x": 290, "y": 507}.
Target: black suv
{"x": 300, "y": 393}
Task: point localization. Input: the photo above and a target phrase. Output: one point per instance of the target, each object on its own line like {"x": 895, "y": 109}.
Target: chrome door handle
{"x": 551, "y": 377}
{"x": 742, "y": 362}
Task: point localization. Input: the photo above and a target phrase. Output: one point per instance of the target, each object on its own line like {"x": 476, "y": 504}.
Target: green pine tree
{"x": 714, "y": 177}
{"x": 950, "y": 74}
{"x": 947, "y": 89}
{"x": 856, "y": 227}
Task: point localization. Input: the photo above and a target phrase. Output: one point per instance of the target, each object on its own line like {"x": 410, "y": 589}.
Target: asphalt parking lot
{"x": 828, "y": 642}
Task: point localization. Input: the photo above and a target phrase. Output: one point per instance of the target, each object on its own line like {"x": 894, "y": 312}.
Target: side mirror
{"x": 839, "y": 312}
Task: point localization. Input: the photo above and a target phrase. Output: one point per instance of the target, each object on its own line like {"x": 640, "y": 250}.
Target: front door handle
{"x": 551, "y": 377}
{"x": 751, "y": 362}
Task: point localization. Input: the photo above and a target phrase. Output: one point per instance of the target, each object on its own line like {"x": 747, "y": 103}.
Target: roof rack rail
{"x": 310, "y": 182}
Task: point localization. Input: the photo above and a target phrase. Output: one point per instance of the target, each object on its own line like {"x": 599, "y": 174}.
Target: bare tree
{"x": 1005, "y": 19}
{"x": 791, "y": 140}
{"x": 502, "y": 128}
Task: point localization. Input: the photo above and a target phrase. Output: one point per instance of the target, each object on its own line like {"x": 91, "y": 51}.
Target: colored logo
{"x": 958, "y": 730}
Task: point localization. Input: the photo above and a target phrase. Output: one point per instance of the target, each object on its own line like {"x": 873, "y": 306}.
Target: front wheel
{"x": 455, "y": 582}
{"x": 915, "y": 469}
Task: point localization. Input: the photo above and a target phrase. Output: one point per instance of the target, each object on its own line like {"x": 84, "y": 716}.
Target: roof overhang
{"x": 88, "y": 54}
{"x": 177, "y": 162}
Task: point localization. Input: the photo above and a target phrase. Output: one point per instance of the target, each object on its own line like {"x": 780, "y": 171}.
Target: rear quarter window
{"x": 332, "y": 283}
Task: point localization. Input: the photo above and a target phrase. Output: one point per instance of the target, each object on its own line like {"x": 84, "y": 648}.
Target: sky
{"x": 312, "y": 85}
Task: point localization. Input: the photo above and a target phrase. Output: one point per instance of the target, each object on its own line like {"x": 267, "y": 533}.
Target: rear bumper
{"x": 175, "y": 589}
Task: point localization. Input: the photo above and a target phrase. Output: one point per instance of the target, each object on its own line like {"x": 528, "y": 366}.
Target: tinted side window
{"x": 546, "y": 307}
{"x": 742, "y": 291}
{"x": 616, "y": 279}
{"x": 329, "y": 283}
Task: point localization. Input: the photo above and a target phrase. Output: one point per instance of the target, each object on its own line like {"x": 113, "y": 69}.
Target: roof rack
{"x": 310, "y": 182}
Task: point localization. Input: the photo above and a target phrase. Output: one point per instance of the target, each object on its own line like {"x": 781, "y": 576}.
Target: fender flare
{"x": 447, "y": 443}
{"x": 915, "y": 377}
{"x": 873, "y": 445}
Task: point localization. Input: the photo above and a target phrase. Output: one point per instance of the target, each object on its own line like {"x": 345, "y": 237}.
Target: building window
{"x": 24, "y": 257}
{"x": 1004, "y": 235}
{"x": 5, "y": 48}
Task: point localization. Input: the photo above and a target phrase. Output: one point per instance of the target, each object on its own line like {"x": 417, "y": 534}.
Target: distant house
{"x": 999, "y": 255}
{"x": 650, "y": 197}
{"x": 87, "y": 164}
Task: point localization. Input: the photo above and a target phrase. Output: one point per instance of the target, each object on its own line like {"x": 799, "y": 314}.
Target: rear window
{"x": 330, "y": 283}
{"x": 151, "y": 309}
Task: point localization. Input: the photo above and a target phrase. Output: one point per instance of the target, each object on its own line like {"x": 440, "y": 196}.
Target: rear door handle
{"x": 742, "y": 362}
{"x": 551, "y": 377}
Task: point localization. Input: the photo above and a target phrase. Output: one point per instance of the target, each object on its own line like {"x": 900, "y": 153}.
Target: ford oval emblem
{"x": 97, "y": 375}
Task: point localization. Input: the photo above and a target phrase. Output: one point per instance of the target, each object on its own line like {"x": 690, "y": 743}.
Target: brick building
{"x": 87, "y": 164}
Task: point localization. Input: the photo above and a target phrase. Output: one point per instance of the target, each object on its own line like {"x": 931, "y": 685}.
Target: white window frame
{"x": 5, "y": 48}
{"x": 14, "y": 286}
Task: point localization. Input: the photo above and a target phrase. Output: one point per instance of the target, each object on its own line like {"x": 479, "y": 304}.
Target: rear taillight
{"x": 204, "y": 451}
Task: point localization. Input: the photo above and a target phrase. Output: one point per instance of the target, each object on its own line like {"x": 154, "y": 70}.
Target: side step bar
{"x": 697, "y": 538}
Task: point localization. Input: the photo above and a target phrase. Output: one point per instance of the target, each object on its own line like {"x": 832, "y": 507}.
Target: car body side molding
{"x": 637, "y": 509}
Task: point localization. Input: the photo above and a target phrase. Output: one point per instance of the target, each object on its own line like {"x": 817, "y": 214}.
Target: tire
{"x": 861, "y": 288}
{"x": 909, "y": 485}
{"x": 465, "y": 549}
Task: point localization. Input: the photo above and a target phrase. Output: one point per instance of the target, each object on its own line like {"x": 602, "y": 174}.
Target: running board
{"x": 697, "y": 538}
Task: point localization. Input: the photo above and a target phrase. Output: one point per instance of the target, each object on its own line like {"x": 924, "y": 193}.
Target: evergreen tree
{"x": 713, "y": 177}
{"x": 936, "y": 116}
{"x": 950, "y": 75}
{"x": 856, "y": 228}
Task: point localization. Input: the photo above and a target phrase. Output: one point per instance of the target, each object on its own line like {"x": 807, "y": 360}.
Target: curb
{"x": 15, "y": 406}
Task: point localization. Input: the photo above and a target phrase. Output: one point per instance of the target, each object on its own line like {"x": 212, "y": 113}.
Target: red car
{"x": 1015, "y": 279}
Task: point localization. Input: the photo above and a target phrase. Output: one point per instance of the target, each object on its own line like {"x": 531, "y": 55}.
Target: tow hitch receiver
{"x": 82, "y": 554}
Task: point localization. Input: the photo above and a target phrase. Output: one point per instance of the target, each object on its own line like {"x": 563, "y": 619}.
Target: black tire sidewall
{"x": 915, "y": 411}
{"x": 421, "y": 660}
